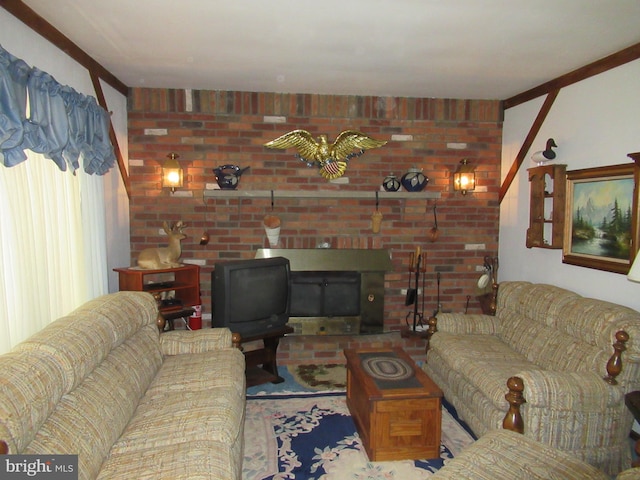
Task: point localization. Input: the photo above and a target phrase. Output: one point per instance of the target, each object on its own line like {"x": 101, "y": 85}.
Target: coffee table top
{"x": 387, "y": 373}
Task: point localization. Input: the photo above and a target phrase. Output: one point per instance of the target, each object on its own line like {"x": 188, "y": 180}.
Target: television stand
{"x": 261, "y": 364}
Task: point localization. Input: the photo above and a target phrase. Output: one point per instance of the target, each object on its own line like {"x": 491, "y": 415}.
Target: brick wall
{"x": 212, "y": 128}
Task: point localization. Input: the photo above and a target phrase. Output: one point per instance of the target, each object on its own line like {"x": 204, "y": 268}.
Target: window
{"x": 52, "y": 245}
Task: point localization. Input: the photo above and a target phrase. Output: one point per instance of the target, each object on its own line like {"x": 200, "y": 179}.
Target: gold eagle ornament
{"x": 330, "y": 159}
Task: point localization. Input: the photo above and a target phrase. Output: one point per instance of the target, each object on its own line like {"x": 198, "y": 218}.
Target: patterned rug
{"x": 311, "y": 436}
{"x": 320, "y": 377}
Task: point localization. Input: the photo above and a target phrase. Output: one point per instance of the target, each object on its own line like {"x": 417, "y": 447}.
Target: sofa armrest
{"x": 177, "y": 342}
{"x": 629, "y": 474}
{"x": 571, "y": 391}
{"x": 473, "y": 324}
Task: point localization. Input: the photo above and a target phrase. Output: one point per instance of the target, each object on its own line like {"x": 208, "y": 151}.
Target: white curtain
{"x": 52, "y": 245}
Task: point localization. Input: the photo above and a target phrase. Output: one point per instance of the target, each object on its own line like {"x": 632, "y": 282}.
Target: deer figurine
{"x": 164, "y": 257}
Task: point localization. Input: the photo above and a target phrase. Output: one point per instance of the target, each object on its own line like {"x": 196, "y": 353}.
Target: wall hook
{"x": 272, "y": 200}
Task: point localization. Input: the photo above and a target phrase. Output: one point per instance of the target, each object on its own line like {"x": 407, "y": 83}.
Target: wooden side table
{"x": 182, "y": 282}
{"x": 261, "y": 364}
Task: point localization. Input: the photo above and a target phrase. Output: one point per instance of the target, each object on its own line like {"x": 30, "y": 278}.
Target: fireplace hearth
{"x": 335, "y": 291}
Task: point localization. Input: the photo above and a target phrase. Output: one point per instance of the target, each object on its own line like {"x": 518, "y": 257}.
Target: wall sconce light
{"x": 172, "y": 174}
{"x": 464, "y": 178}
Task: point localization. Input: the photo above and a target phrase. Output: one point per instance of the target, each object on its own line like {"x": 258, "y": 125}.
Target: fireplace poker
{"x": 411, "y": 292}
{"x": 417, "y": 315}
{"x": 424, "y": 279}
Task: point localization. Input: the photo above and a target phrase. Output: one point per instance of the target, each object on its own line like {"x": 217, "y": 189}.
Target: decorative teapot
{"x": 228, "y": 176}
{"x": 414, "y": 180}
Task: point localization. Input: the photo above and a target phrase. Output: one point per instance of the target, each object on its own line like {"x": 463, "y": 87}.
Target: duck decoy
{"x": 546, "y": 155}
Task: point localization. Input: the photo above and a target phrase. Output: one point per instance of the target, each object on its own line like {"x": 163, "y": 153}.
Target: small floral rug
{"x": 311, "y": 436}
{"x": 330, "y": 376}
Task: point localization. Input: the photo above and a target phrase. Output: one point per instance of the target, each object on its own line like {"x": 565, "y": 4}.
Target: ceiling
{"x": 490, "y": 49}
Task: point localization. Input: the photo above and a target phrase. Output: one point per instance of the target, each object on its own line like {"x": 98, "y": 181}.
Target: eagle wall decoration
{"x": 330, "y": 159}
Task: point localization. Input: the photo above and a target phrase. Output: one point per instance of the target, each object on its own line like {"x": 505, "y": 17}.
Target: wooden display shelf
{"x": 215, "y": 193}
{"x": 547, "y": 206}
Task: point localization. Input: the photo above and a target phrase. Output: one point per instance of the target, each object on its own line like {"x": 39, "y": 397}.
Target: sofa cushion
{"x": 560, "y": 330}
{"x": 43, "y": 369}
{"x": 552, "y": 349}
{"x": 191, "y": 460}
{"x": 177, "y": 342}
{"x": 200, "y": 371}
{"x": 534, "y": 301}
{"x": 31, "y": 385}
{"x": 79, "y": 349}
{"x": 506, "y": 455}
{"x": 483, "y": 360}
{"x": 472, "y": 406}
{"x": 194, "y": 397}
{"x": 89, "y": 419}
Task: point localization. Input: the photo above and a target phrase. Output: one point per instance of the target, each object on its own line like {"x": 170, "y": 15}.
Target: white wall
{"x": 24, "y": 43}
{"x": 595, "y": 123}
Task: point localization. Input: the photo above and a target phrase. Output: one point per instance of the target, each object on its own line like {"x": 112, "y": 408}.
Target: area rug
{"x": 311, "y": 436}
{"x": 320, "y": 377}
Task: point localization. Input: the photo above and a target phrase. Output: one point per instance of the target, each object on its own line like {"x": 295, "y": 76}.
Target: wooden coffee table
{"x": 396, "y": 419}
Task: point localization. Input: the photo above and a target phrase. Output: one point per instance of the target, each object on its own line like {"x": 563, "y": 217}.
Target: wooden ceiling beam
{"x": 551, "y": 89}
{"x": 533, "y": 131}
{"x": 96, "y": 71}
{"x": 112, "y": 135}
{"x": 614, "y": 60}
{"x": 39, "y": 25}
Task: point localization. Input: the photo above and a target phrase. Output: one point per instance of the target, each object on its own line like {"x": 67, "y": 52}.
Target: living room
{"x": 593, "y": 121}
{"x": 434, "y": 136}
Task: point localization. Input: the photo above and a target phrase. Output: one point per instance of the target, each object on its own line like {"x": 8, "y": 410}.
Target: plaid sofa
{"x": 559, "y": 344}
{"x": 506, "y": 455}
{"x": 104, "y": 384}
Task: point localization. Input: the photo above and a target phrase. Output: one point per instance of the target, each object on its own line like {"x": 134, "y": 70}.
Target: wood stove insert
{"x": 335, "y": 291}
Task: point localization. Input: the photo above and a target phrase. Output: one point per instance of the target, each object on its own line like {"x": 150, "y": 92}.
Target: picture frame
{"x": 601, "y": 218}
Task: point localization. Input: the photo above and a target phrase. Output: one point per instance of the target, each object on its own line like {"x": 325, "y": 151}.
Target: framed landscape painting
{"x": 601, "y": 218}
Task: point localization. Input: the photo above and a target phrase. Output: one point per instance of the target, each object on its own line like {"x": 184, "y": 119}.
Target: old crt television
{"x": 251, "y": 296}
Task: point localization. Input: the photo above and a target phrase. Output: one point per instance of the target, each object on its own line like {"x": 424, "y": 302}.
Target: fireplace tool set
{"x": 417, "y": 269}
{"x": 415, "y": 295}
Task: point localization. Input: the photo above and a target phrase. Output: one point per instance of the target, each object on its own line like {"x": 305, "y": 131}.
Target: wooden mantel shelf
{"x": 317, "y": 194}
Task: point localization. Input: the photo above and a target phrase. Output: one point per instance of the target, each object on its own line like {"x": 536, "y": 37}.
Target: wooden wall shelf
{"x": 318, "y": 194}
{"x": 547, "y": 207}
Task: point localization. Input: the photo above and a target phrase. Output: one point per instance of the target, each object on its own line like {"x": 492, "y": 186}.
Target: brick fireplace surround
{"x": 212, "y": 128}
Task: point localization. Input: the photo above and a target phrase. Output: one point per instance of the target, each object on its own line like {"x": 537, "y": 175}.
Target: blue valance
{"x": 63, "y": 124}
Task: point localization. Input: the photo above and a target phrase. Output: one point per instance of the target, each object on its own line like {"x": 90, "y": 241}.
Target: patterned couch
{"x": 557, "y": 344}
{"x": 103, "y": 383}
{"x": 506, "y": 455}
